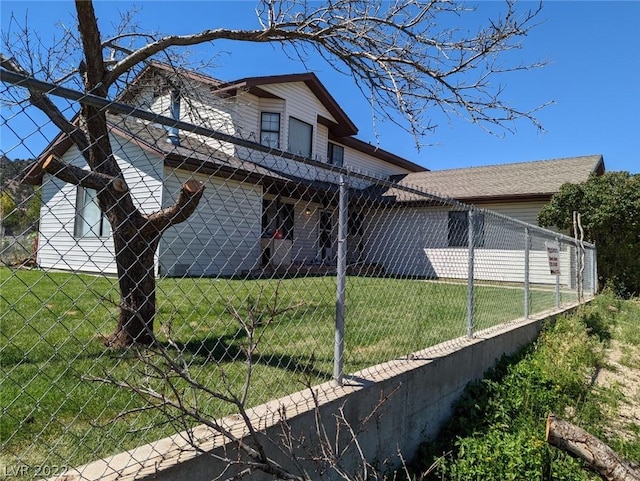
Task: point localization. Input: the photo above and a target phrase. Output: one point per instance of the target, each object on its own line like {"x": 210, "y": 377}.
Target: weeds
{"x": 498, "y": 427}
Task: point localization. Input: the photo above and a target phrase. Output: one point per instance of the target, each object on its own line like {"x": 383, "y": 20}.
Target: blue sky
{"x": 592, "y": 78}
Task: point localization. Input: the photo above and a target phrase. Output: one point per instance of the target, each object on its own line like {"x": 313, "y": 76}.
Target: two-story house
{"x": 258, "y": 209}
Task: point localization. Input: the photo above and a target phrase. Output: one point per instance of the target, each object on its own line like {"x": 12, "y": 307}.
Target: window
{"x": 90, "y": 221}
{"x": 356, "y": 227}
{"x": 459, "y": 229}
{"x": 277, "y": 219}
{"x": 300, "y": 137}
{"x": 335, "y": 154}
{"x": 270, "y": 129}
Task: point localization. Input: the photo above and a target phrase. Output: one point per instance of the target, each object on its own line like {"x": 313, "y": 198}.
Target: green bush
{"x": 609, "y": 206}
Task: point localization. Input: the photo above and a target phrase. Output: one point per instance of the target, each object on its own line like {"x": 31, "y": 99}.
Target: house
{"x": 265, "y": 207}
{"x": 258, "y": 209}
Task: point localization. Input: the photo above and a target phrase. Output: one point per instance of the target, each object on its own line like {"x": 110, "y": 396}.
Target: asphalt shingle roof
{"x": 522, "y": 179}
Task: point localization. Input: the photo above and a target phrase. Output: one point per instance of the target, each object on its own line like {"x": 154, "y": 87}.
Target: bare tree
{"x": 397, "y": 52}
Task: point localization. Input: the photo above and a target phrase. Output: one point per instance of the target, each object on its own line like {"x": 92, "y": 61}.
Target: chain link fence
{"x": 290, "y": 272}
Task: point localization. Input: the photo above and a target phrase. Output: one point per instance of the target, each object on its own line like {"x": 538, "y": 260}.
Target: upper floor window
{"x": 335, "y": 154}
{"x": 90, "y": 221}
{"x": 270, "y": 129}
{"x": 300, "y": 137}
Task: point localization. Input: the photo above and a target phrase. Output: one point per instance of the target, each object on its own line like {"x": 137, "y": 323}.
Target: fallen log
{"x": 598, "y": 456}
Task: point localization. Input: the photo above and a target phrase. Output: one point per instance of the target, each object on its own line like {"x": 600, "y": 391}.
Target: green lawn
{"x": 53, "y": 324}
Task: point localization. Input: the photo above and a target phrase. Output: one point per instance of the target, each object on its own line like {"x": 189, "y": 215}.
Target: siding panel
{"x": 222, "y": 237}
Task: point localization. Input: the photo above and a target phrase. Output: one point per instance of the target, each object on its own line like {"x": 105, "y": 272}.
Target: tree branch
{"x": 188, "y": 200}
{"x": 91, "y": 43}
{"x": 46, "y": 106}
{"x": 582, "y": 445}
{"x": 84, "y": 178}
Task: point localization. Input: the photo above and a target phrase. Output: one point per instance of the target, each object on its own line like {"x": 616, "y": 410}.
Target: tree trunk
{"x": 136, "y": 238}
{"x": 599, "y": 457}
{"x": 135, "y": 259}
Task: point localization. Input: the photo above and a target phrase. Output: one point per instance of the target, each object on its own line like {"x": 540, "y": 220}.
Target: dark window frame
{"x": 335, "y": 154}
{"x": 458, "y": 229}
{"x": 270, "y": 130}
{"x": 291, "y": 148}
{"x": 278, "y": 215}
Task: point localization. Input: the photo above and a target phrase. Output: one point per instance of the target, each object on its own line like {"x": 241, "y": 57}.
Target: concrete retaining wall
{"x": 421, "y": 391}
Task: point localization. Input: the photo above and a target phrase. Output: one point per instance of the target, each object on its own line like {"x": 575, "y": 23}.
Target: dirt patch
{"x": 622, "y": 374}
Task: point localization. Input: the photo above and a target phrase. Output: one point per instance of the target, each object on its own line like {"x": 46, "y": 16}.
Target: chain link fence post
{"x": 527, "y": 246}
{"x": 594, "y": 267}
{"x": 470, "y": 283}
{"x": 343, "y": 216}
{"x": 557, "y": 288}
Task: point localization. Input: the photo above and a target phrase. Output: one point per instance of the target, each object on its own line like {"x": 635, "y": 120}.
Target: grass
{"x": 498, "y": 427}
{"x": 53, "y": 326}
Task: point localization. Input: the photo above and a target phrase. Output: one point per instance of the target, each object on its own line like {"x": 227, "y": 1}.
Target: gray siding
{"x": 524, "y": 211}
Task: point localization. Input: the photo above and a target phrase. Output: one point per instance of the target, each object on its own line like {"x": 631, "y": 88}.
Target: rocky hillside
{"x": 10, "y": 173}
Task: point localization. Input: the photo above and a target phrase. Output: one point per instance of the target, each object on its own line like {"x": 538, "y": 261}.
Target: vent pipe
{"x": 173, "y": 136}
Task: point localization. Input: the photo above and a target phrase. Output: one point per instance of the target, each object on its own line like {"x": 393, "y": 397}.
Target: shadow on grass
{"x": 229, "y": 348}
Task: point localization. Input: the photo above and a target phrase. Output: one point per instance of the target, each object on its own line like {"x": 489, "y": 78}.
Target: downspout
{"x": 173, "y": 136}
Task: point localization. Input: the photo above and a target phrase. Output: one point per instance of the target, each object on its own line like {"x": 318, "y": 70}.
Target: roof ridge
{"x": 519, "y": 163}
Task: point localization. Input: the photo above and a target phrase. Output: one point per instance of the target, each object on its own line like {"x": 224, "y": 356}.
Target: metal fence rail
{"x": 290, "y": 272}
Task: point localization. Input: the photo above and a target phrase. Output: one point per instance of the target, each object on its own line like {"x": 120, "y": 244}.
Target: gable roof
{"x": 521, "y": 180}
{"x": 341, "y": 131}
{"x": 344, "y": 126}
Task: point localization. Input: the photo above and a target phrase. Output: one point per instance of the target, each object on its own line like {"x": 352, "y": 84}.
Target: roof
{"x": 344, "y": 126}
{"x": 521, "y": 180}
{"x": 195, "y": 155}
{"x": 341, "y": 131}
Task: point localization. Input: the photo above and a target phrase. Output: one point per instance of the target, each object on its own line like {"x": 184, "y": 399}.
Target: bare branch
{"x": 42, "y": 102}
{"x": 397, "y": 52}
{"x": 91, "y": 44}
{"x": 78, "y": 176}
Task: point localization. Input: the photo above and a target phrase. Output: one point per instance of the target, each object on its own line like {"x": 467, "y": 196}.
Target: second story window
{"x": 270, "y": 129}
{"x": 300, "y": 137}
{"x": 335, "y": 154}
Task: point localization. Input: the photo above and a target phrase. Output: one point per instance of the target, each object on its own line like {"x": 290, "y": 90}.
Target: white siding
{"x": 396, "y": 237}
{"x": 498, "y": 265}
{"x": 413, "y": 241}
{"x": 524, "y": 211}
{"x": 367, "y": 164}
{"x": 57, "y": 247}
{"x": 302, "y": 104}
{"x": 322, "y": 142}
{"x": 200, "y": 107}
{"x": 247, "y": 118}
{"x": 222, "y": 237}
